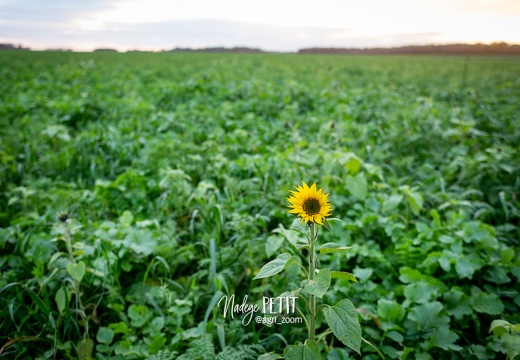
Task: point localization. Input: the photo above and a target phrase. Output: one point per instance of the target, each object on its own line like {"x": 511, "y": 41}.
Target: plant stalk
{"x": 312, "y": 298}
{"x": 68, "y": 241}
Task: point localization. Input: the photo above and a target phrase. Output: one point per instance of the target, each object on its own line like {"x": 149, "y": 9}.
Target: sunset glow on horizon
{"x": 270, "y": 25}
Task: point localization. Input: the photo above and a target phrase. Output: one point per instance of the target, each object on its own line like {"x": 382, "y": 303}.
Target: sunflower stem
{"x": 312, "y": 267}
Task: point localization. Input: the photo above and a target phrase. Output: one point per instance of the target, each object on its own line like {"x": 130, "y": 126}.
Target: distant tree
{"x": 501, "y": 48}
{"x": 12, "y": 47}
{"x": 220, "y": 49}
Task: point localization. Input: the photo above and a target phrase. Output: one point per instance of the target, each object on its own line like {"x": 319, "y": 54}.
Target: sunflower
{"x": 310, "y": 204}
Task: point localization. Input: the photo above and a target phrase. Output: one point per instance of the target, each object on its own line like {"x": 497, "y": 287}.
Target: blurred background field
{"x": 173, "y": 169}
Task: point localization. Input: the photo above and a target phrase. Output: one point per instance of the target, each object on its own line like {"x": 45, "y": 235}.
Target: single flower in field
{"x": 310, "y": 204}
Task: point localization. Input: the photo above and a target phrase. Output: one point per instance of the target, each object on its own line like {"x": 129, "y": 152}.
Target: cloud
{"x": 506, "y": 8}
{"x": 215, "y": 32}
{"x": 129, "y": 24}
{"x": 202, "y": 33}
{"x": 51, "y": 10}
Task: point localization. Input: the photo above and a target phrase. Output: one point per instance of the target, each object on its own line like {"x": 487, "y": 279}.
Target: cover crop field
{"x": 139, "y": 189}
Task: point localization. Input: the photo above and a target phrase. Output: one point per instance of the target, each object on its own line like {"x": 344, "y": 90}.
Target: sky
{"x": 271, "y": 25}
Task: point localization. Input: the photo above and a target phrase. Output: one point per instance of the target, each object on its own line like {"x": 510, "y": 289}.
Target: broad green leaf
{"x": 499, "y": 327}
{"x": 408, "y": 275}
{"x": 515, "y": 270}
{"x": 428, "y": 315}
{"x": 119, "y": 328}
{"x": 457, "y": 303}
{"x": 319, "y": 285}
{"x": 142, "y": 241}
{"x": 486, "y": 303}
{"x": 352, "y": 163}
{"x": 300, "y": 227}
{"x": 424, "y": 230}
{"x": 482, "y": 234}
{"x": 445, "y": 339}
{"x": 307, "y": 351}
{"x": 497, "y": 274}
{"x": 392, "y": 202}
{"x": 445, "y": 263}
{"x": 512, "y": 344}
{"x": 85, "y": 349}
{"x": 326, "y": 225}
{"x": 363, "y": 274}
{"x": 464, "y": 268}
{"x": 342, "y": 319}
{"x": 270, "y": 356}
{"x": 138, "y": 314}
{"x": 445, "y": 239}
{"x": 338, "y": 353}
{"x": 76, "y": 270}
{"x": 61, "y": 299}
{"x": 419, "y": 292}
{"x": 357, "y": 186}
{"x": 274, "y": 267}
{"x": 155, "y": 327}
{"x": 289, "y": 235}
{"x": 390, "y": 310}
{"x": 105, "y": 335}
{"x": 507, "y": 255}
{"x": 272, "y": 244}
{"x": 333, "y": 247}
{"x": 415, "y": 201}
{"x": 126, "y": 218}
{"x": 394, "y": 335}
{"x": 343, "y": 275}
{"x": 157, "y": 344}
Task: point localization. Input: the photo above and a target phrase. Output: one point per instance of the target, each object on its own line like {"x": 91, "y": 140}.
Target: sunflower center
{"x": 311, "y": 206}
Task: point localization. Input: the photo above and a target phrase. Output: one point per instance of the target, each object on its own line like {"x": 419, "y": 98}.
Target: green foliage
{"x": 319, "y": 285}
{"x": 343, "y": 321}
{"x": 172, "y": 171}
{"x": 509, "y": 335}
{"x": 308, "y": 350}
{"x": 275, "y": 267}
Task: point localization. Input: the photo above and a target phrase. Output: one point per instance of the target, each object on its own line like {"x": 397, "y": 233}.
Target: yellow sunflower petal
{"x": 309, "y": 203}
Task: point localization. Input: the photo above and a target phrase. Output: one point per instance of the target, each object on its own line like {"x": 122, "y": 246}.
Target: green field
{"x": 137, "y": 189}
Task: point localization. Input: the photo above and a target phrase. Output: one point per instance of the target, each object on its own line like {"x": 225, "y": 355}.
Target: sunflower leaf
{"x": 333, "y": 247}
{"x": 299, "y": 226}
{"x": 319, "y": 285}
{"x": 343, "y": 320}
{"x": 343, "y": 275}
{"x": 276, "y": 266}
{"x": 302, "y": 246}
{"x": 307, "y": 351}
{"x": 326, "y": 225}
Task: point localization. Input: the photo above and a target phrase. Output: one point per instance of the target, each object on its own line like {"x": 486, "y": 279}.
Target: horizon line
{"x": 245, "y": 48}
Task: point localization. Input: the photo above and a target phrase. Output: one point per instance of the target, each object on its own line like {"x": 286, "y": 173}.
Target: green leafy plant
{"x": 342, "y": 319}
{"x": 509, "y": 336}
{"x": 173, "y": 169}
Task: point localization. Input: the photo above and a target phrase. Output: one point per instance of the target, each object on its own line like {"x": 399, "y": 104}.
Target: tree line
{"x": 501, "y": 48}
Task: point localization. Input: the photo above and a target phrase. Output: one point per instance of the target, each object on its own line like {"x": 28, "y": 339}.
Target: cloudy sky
{"x": 276, "y": 25}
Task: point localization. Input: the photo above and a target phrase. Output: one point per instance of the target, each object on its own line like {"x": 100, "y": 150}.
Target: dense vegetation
{"x": 135, "y": 189}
